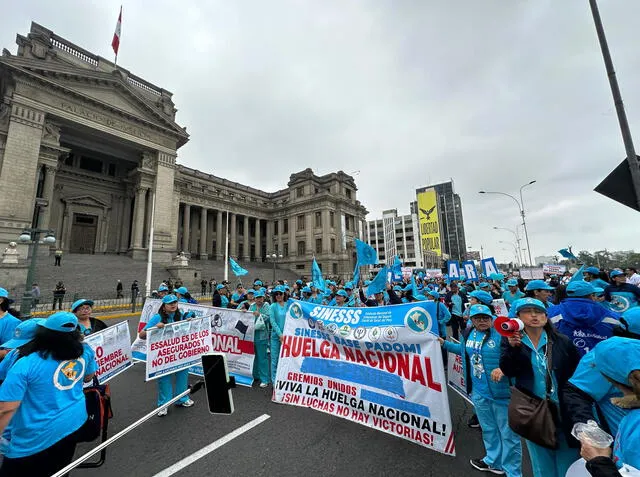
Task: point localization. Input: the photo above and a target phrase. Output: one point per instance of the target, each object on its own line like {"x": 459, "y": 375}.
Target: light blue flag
{"x": 367, "y": 255}
{"x": 396, "y": 268}
{"x": 316, "y": 276}
{"x": 356, "y": 275}
{"x": 414, "y": 288}
{"x": 237, "y": 270}
{"x": 578, "y": 276}
{"x": 379, "y": 283}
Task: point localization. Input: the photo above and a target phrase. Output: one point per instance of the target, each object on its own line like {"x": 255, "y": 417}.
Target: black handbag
{"x": 534, "y": 418}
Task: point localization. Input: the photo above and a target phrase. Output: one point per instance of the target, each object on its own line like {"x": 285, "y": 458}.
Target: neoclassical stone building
{"x": 86, "y": 146}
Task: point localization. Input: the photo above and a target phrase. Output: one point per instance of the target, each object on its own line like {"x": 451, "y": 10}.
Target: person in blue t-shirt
{"x": 43, "y": 400}
{"x": 620, "y": 294}
{"x": 22, "y": 335}
{"x": 8, "y": 322}
{"x": 169, "y": 313}
{"x": 513, "y": 293}
{"x": 479, "y": 348}
{"x": 277, "y": 317}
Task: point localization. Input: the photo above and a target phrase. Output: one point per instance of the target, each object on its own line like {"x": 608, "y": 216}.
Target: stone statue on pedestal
{"x": 10, "y": 254}
{"x": 180, "y": 260}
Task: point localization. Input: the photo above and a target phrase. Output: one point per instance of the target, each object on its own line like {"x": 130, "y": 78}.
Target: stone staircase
{"x": 95, "y": 276}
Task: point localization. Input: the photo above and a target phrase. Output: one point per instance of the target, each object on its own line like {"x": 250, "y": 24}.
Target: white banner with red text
{"x": 378, "y": 366}
{"x": 177, "y": 346}
{"x": 231, "y": 334}
{"x": 112, "y": 347}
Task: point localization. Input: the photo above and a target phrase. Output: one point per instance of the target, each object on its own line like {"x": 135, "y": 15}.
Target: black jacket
{"x": 602, "y": 467}
{"x": 515, "y": 362}
{"x": 393, "y": 299}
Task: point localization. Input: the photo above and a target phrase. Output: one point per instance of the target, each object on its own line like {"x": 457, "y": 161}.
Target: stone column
{"x": 309, "y": 225}
{"x": 147, "y": 219}
{"x": 326, "y": 241}
{"x": 138, "y": 217}
{"x": 219, "y": 237}
{"x": 245, "y": 240}
{"x": 126, "y": 221}
{"x": 270, "y": 237}
{"x": 203, "y": 234}
{"x": 233, "y": 243}
{"x": 186, "y": 228}
{"x": 280, "y": 235}
{"x": 258, "y": 243}
{"x": 47, "y": 194}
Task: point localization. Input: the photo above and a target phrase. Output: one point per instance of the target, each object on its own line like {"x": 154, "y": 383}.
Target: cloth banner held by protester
{"x": 232, "y": 335}
{"x": 532, "y": 273}
{"x": 229, "y": 336}
{"x": 553, "y": 269}
{"x": 177, "y": 346}
{"x": 112, "y": 347}
{"x": 381, "y": 367}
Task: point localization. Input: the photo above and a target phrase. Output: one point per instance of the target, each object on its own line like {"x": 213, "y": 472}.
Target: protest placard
{"x": 500, "y": 307}
{"x": 380, "y": 367}
{"x": 231, "y": 332}
{"x": 455, "y": 376}
{"x": 112, "y": 347}
{"x": 177, "y": 346}
{"x": 554, "y": 269}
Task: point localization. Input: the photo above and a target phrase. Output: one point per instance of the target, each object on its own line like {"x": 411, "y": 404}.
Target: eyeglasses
{"x": 481, "y": 318}
{"x": 278, "y": 293}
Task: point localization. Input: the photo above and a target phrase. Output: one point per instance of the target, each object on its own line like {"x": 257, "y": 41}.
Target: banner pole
{"x": 192, "y": 389}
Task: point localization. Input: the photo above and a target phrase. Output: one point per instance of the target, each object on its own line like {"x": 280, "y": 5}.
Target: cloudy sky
{"x": 491, "y": 93}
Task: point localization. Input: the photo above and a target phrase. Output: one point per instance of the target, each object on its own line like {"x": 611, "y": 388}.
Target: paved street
{"x": 294, "y": 441}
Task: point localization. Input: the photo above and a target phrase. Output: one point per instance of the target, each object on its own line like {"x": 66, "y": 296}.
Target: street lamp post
{"x": 274, "y": 257}
{"x": 515, "y": 250}
{"x": 32, "y": 236}
{"x": 517, "y": 237}
{"x": 521, "y": 210}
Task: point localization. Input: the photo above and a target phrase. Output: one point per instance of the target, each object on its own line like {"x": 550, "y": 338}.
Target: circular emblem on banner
{"x": 68, "y": 373}
{"x": 491, "y": 343}
{"x": 418, "y": 320}
{"x": 312, "y": 323}
{"x": 345, "y": 330}
{"x": 359, "y": 332}
{"x": 374, "y": 333}
{"x": 216, "y": 321}
{"x": 332, "y": 328}
{"x": 320, "y": 324}
{"x": 390, "y": 333}
{"x": 295, "y": 311}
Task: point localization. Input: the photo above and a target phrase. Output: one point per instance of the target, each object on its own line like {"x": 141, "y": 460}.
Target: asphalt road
{"x": 293, "y": 441}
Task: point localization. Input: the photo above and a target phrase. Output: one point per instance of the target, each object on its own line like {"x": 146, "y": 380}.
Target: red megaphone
{"x": 508, "y": 326}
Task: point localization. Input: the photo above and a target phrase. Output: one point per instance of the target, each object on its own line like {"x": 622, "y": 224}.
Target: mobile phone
{"x": 216, "y": 382}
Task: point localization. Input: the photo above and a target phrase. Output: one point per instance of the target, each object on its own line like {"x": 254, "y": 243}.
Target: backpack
{"x": 98, "y": 401}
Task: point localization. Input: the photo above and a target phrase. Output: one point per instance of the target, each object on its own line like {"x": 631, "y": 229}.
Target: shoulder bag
{"x": 534, "y": 418}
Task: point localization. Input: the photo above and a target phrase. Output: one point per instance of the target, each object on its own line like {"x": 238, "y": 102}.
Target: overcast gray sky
{"x": 491, "y": 93}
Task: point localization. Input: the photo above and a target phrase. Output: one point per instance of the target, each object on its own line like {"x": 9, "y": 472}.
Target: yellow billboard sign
{"x": 429, "y": 221}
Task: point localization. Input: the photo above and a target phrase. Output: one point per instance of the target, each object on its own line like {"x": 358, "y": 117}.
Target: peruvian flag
{"x": 115, "y": 43}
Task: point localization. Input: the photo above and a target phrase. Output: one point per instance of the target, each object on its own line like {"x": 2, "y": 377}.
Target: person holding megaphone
{"x": 541, "y": 361}
{"x": 479, "y": 348}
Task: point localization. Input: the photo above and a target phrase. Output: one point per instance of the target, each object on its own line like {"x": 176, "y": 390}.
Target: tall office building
{"x": 449, "y": 241}
{"x": 395, "y": 235}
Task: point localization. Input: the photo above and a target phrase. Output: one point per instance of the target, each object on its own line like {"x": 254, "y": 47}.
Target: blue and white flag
{"x": 396, "y": 269}
{"x": 316, "y": 276}
{"x": 356, "y": 275}
{"x": 237, "y": 270}
{"x": 379, "y": 283}
{"x": 367, "y": 255}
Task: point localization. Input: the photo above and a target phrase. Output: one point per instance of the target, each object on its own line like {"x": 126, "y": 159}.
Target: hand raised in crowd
{"x": 496, "y": 375}
{"x": 515, "y": 339}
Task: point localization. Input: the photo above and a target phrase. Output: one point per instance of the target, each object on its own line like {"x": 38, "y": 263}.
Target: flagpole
{"x": 226, "y": 250}
{"x": 150, "y": 245}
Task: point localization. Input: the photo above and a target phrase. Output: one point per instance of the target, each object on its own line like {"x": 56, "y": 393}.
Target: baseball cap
{"x": 580, "y": 288}
{"x": 63, "y": 321}
{"x": 342, "y": 293}
{"x": 482, "y": 296}
{"x": 23, "y": 333}
{"x": 182, "y": 290}
{"x": 78, "y": 303}
{"x": 522, "y": 303}
{"x": 512, "y": 283}
{"x": 169, "y": 299}
{"x": 163, "y": 288}
{"x": 537, "y": 285}
{"x": 5, "y": 294}
{"x": 592, "y": 270}
{"x": 475, "y": 310}
{"x": 616, "y": 273}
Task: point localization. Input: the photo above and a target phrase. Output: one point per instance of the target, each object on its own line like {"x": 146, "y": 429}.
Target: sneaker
{"x": 264, "y": 385}
{"x": 187, "y": 403}
{"x": 480, "y": 465}
{"x": 163, "y": 412}
{"x": 473, "y": 422}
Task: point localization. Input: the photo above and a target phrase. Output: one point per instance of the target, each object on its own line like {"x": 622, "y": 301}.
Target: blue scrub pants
{"x": 165, "y": 387}
{"x": 549, "y": 462}
{"x": 501, "y": 444}
{"x": 275, "y": 355}
{"x": 261, "y": 361}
